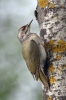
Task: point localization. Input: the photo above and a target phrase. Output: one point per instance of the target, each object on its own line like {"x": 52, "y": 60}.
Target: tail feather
{"x": 43, "y": 79}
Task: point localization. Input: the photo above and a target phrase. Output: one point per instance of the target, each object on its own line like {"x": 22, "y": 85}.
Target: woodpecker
{"x": 33, "y": 53}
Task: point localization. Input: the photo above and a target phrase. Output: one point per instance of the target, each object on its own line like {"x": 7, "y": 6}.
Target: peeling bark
{"x": 51, "y": 17}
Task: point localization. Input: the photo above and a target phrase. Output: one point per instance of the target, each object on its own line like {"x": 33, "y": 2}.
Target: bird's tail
{"x": 43, "y": 79}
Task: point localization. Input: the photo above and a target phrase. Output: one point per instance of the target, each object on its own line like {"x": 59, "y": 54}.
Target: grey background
{"x": 16, "y": 82}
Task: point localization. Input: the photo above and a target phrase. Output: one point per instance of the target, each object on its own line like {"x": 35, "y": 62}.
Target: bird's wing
{"x": 34, "y": 57}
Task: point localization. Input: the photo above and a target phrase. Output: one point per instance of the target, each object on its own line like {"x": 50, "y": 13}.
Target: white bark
{"x": 51, "y": 17}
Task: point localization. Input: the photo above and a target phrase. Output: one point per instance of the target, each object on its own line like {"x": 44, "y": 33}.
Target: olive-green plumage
{"x": 33, "y": 53}
{"x": 32, "y": 58}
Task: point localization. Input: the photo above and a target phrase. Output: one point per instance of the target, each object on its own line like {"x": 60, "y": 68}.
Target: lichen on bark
{"x": 51, "y": 17}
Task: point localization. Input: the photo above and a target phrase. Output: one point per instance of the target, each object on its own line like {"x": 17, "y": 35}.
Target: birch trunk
{"x": 51, "y": 17}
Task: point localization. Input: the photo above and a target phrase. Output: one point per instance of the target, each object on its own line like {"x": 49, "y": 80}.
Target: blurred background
{"x": 16, "y": 82}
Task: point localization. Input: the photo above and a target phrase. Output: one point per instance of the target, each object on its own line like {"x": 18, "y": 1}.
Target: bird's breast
{"x": 26, "y": 50}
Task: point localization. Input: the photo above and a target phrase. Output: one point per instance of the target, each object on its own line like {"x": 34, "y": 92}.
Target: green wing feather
{"x": 33, "y": 57}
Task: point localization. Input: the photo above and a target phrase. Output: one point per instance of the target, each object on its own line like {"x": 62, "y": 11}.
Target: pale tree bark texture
{"x": 51, "y": 17}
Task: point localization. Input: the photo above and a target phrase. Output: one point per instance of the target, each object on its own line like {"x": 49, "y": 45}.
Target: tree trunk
{"x": 51, "y": 17}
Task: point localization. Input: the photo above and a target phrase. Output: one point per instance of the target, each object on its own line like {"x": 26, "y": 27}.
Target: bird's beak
{"x": 30, "y": 23}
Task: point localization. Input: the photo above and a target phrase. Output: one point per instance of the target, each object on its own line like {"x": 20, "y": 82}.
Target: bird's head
{"x": 24, "y": 32}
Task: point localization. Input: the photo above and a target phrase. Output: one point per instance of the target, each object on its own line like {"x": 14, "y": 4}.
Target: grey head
{"x": 24, "y": 32}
